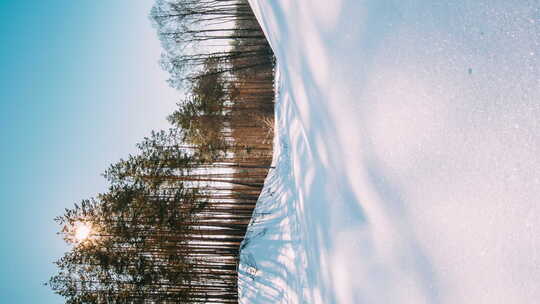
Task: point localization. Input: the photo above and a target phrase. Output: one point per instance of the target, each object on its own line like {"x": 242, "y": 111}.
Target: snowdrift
{"x": 407, "y": 154}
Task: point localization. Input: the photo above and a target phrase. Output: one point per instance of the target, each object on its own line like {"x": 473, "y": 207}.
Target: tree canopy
{"x": 168, "y": 228}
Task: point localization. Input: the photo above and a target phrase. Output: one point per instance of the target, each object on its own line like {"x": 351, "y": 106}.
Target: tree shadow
{"x": 324, "y": 205}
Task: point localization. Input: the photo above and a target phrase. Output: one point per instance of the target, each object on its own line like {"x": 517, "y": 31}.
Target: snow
{"x": 407, "y": 154}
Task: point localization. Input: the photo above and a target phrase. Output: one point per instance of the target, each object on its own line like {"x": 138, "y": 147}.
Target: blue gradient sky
{"x": 79, "y": 86}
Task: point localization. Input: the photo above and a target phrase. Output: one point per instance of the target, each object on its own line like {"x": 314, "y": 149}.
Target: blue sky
{"x": 80, "y": 84}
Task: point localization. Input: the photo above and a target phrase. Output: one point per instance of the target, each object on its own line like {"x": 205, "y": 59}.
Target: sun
{"x": 82, "y": 231}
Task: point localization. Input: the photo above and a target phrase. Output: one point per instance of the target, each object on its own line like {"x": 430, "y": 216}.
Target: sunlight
{"x": 82, "y": 231}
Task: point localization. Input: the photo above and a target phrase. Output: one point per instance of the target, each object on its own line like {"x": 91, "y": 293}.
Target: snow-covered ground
{"x": 407, "y": 154}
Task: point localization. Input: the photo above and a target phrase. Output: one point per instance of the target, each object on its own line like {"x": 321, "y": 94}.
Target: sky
{"x": 80, "y": 85}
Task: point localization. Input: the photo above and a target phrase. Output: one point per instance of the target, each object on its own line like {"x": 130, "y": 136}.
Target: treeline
{"x": 168, "y": 229}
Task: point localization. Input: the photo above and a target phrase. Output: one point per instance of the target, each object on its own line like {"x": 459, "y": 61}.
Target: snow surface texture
{"x": 407, "y": 154}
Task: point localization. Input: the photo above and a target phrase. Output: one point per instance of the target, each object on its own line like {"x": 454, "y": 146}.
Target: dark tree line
{"x": 168, "y": 229}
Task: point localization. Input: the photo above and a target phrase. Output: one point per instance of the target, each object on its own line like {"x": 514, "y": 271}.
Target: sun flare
{"x": 82, "y": 231}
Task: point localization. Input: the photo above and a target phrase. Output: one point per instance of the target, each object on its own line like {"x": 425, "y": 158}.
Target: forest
{"x": 169, "y": 227}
